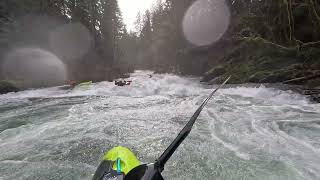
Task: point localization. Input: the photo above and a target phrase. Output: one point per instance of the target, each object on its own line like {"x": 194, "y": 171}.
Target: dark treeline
{"x": 160, "y": 39}
{"x": 27, "y": 23}
{"x": 267, "y": 41}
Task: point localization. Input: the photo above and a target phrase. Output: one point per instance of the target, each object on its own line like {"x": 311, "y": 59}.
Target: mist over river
{"x": 243, "y": 133}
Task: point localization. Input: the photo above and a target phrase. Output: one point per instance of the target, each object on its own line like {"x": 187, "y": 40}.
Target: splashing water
{"x": 243, "y": 133}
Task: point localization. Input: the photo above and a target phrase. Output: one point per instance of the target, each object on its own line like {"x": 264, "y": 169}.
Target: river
{"x": 244, "y": 132}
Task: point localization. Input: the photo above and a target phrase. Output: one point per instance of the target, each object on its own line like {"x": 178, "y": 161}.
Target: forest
{"x": 267, "y": 41}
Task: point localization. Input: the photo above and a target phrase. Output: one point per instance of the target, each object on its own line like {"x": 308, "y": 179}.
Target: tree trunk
{"x": 73, "y": 10}
{"x": 314, "y": 15}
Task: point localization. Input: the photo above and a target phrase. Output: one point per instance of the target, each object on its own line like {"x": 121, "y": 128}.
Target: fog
{"x": 34, "y": 67}
{"x": 70, "y": 41}
{"x": 40, "y": 49}
{"x": 206, "y": 21}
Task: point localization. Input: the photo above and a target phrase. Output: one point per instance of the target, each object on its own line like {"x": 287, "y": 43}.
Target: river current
{"x": 249, "y": 133}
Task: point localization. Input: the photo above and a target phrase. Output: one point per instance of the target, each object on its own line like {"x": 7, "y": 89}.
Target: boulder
{"x": 7, "y": 86}
{"x": 315, "y": 98}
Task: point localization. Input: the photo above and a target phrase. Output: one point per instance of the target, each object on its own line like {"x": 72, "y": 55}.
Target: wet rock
{"x": 315, "y": 98}
{"x": 7, "y": 86}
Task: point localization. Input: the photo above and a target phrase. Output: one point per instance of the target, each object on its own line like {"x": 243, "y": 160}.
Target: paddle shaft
{"x": 161, "y": 161}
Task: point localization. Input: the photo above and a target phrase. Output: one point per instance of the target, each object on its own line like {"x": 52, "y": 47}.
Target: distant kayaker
{"x": 122, "y": 83}
{"x": 72, "y": 83}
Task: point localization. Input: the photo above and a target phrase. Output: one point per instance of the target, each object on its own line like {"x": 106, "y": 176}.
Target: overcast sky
{"x": 130, "y": 9}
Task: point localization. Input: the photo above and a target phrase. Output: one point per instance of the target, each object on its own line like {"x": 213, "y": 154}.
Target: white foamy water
{"x": 243, "y": 133}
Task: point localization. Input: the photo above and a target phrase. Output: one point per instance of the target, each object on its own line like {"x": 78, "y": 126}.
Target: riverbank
{"x": 312, "y": 94}
{"x": 256, "y": 60}
{"x": 7, "y": 86}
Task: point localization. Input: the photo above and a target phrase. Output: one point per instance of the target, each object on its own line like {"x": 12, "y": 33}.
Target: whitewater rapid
{"x": 243, "y": 133}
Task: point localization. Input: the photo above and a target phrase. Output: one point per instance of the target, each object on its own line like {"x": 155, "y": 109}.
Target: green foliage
{"x": 267, "y": 41}
{"x": 259, "y": 61}
{"x": 310, "y": 55}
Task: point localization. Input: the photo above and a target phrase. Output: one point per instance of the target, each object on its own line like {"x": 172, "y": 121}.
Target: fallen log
{"x": 311, "y": 91}
{"x": 301, "y": 79}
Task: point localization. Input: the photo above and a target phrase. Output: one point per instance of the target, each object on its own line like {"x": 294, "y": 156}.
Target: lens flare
{"x": 206, "y": 21}
{"x": 70, "y": 41}
{"x": 34, "y": 67}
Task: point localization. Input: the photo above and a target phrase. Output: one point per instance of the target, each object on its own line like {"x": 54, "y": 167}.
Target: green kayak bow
{"x": 121, "y": 164}
{"x": 88, "y": 83}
